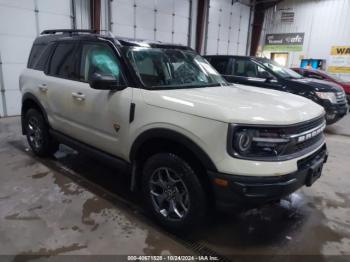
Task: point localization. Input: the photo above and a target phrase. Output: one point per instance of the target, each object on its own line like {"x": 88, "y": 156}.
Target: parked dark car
{"x": 263, "y": 72}
{"x": 322, "y": 75}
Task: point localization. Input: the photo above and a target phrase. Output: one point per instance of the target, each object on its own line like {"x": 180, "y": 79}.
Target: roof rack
{"x": 67, "y": 31}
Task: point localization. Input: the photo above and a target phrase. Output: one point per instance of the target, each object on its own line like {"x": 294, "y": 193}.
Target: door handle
{"x": 43, "y": 88}
{"x": 78, "y": 96}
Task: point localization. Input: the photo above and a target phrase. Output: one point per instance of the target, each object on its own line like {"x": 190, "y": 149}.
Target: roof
{"x": 48, "y": 36}
{"x": 239, "y": 56}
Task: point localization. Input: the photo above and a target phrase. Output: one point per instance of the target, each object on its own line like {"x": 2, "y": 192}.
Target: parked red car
{"x": 322, "y": 75}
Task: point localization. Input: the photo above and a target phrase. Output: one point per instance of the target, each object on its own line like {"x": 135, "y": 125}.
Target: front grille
{"x": 303, "y": 127}
{"x": 341, "y": 98}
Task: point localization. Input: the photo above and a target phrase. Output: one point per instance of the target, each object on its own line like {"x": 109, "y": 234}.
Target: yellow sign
{"x": 340, "y": 50}
{"x": 339, "y": 61}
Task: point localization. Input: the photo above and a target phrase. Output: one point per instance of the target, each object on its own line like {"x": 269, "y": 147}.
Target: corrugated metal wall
{"x": 228, "y": 27}
{"x": 325, "y": 22}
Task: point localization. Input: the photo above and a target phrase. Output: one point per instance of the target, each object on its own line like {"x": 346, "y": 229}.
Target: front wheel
{"x": 38, "y": 136}
{"x": 173, "y": 192}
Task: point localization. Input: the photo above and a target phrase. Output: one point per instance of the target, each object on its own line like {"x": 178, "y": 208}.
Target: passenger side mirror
{"x": 106, "y": 82}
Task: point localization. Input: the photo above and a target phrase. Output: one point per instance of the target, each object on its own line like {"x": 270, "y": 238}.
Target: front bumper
{"x": 252, "y": 191}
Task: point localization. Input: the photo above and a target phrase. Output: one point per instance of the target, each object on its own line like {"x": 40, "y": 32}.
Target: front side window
{"x": 172, "y": 68}
{"x": 63, "y": 61}
{"x": 248, "y": 68}
{"x": 98, "y": 58}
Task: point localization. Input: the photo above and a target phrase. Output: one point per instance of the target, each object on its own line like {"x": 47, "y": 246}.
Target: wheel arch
{"x": 155, "y": 140}
{"x": 30, "y": 101}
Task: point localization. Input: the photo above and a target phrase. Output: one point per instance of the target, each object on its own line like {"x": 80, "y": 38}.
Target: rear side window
{"x": 220, "y": 64}
{"x": 35, "y": 53}
{"x": 62, "y": 63}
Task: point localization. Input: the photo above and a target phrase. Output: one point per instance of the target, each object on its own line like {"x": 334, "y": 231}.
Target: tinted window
{"x": 41, "y": 61}
{"x": 247, "y": 68}
{"x": 220, "y": 64}
{"x": 313, "y": 75}
{"x": 35, "y": 53}
{"x": 99, "y": 59}
{"x": 63, "y": 61}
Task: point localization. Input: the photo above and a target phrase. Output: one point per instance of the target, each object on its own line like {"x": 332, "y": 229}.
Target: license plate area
{"x": 314, "y": 172}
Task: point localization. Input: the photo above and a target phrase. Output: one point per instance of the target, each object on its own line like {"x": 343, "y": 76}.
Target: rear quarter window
{"x": 39, "y": 56}
{"x": 35, "y": 53}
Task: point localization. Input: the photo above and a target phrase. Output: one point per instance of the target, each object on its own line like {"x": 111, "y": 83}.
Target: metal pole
{"x": 190, "y": 25}
{"x": 36, "y": 10}
{"x": 73, "y": 14}
{"x": 206, "y": 27}
{"x": 2, "y": 89}
{"x": 250, "y": 28}
{"x": 110, "y": 23}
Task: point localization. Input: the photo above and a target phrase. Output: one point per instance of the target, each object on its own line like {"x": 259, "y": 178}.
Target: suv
{"x": 323, "y": 75}
{"x": 263, "y": 72}
{"x": 161, "y": 110}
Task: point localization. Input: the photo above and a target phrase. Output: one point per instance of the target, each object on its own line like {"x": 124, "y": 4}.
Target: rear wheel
{"x": 173, "y": 192}
{"x": 38, "y": 136}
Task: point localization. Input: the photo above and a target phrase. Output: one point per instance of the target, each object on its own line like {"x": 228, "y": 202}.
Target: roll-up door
{"x": 228, "y": 26}
{"x": 162, "y": 20}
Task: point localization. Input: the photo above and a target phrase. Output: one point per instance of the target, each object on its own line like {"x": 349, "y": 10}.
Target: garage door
{"x": 20, "y": 22}
{"x": 228, "y": 25}
{"x": 162, "y": 20}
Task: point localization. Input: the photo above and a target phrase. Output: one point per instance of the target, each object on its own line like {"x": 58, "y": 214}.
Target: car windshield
{"x": 173, "y": 68}
{"x": 280, "y": 70}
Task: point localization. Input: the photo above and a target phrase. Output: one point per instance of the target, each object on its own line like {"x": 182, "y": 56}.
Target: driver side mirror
{"x": 267, "y": 76}
{"x": 106, "y": 82}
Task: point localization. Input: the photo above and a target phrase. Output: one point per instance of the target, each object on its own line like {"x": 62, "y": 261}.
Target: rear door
{"x": 221, "y": 64}
{"x": 99, "y": 118}
{"x": 61, "y": 77}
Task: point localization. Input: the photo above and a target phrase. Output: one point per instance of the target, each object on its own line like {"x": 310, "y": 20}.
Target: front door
{"x": 100, "y": 118}
{"x": 248, "y": 72}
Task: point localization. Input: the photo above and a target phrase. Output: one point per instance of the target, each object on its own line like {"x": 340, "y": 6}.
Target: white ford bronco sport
{"x": 187, "y": 136}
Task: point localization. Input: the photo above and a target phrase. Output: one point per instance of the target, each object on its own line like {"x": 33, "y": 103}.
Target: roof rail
{"x": 67, "y": 31}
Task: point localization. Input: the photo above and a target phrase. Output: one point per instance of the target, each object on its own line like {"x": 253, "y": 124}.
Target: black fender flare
{"x": 33, "y": 99}
{"x": 173, "y": 136}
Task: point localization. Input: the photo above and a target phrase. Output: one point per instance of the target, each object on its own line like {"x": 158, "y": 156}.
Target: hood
{"x": 345, "y": 86}
{"x": 317, "y": 85}
{"x": 237, "y": 104}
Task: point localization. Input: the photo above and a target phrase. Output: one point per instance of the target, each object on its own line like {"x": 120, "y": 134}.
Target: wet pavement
{"x": 77, "y": 205}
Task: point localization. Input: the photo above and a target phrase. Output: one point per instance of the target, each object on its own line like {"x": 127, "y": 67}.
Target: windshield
{"x": 280, "y": 70}
{"x": 172, "y": 68}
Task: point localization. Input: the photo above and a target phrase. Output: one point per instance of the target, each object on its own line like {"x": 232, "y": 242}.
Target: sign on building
{"x": 339, "y": 61}
{"x": 284, "y": 42}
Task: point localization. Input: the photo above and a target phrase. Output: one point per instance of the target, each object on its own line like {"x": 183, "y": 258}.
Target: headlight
{"x": 328, "y": 96}
{"x": 275, "y": 143}
{"x": 250, "y": 142}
